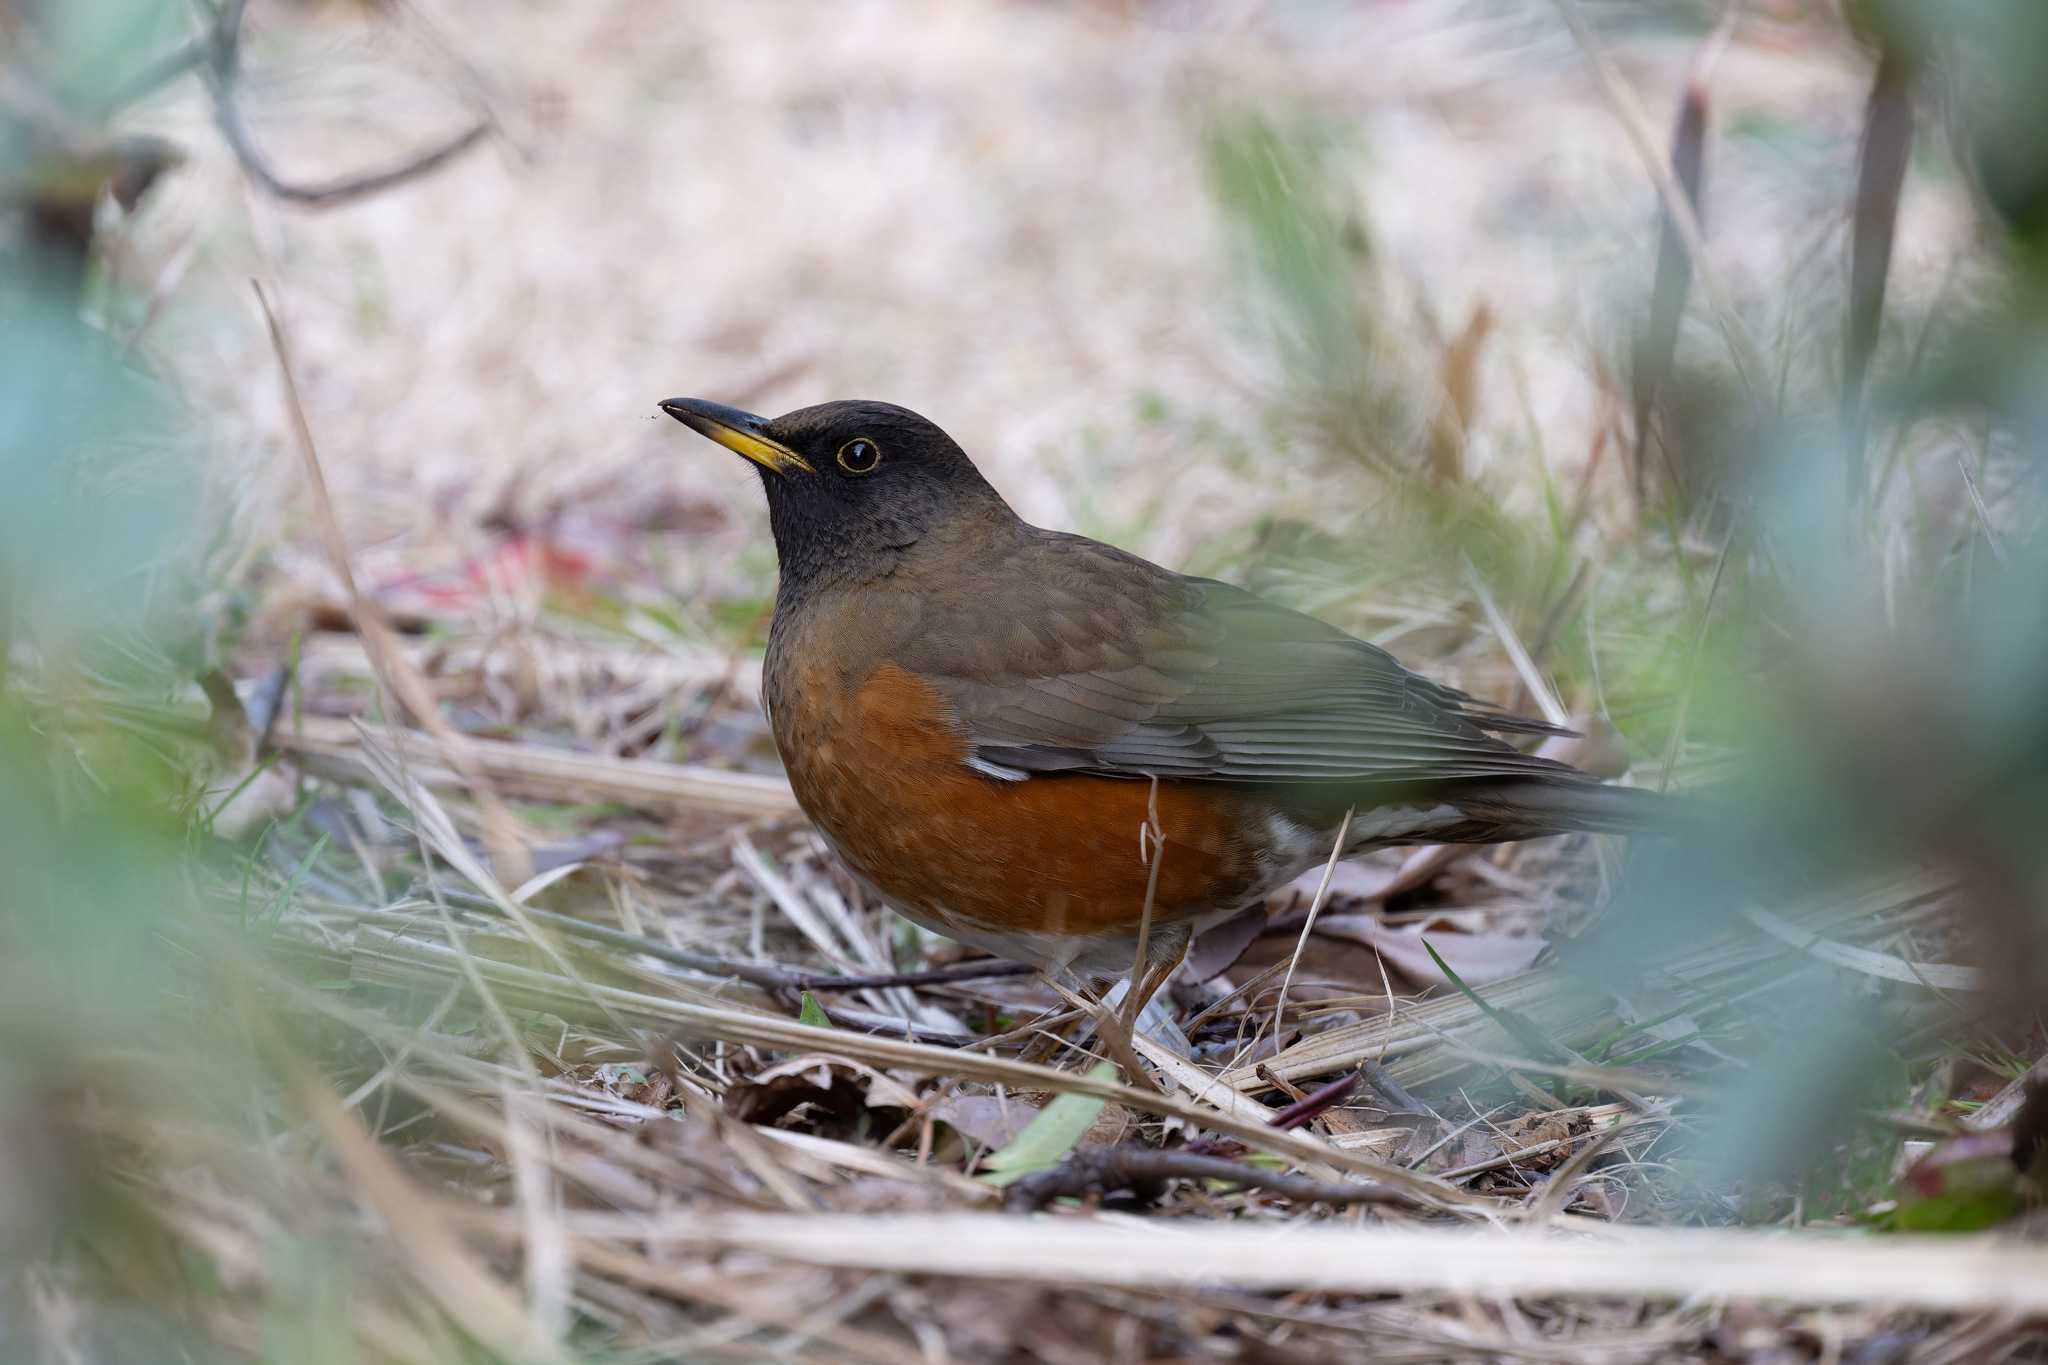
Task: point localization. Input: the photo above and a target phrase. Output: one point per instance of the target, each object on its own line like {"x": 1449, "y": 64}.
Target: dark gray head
{"x": 851, "y": 485}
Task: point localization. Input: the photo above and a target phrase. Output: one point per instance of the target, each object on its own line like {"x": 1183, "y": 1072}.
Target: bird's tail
{"x": 1528, "y": 809}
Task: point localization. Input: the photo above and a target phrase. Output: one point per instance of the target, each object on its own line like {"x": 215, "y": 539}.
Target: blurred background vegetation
{"x": 1379, "y": 309}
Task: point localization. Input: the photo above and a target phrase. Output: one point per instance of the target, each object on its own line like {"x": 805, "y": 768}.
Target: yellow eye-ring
{"x": 859, "y": 456}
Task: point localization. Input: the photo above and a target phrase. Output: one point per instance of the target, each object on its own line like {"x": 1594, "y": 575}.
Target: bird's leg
{"x": 1051, "y": 1038}
{"x": 1168, "y": 949}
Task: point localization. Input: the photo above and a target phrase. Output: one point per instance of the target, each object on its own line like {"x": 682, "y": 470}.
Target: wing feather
{"x": 1138, "y": 671}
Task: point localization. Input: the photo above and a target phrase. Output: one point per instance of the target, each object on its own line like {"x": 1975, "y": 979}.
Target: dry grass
{"x": 453, "y": 1126}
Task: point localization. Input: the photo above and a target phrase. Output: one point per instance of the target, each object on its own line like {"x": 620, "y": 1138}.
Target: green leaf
{"x": 1049, "y": 1137}
{"x": 1966, "y": 1184}
{"x": 274, "y": 915}
{"x": 1519, "y": 1027}
{"x": 207, "y": 818}
{"x": 813, "y": 1013}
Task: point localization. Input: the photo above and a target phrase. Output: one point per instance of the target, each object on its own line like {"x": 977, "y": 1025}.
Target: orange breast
{"x": 881, "y": 770}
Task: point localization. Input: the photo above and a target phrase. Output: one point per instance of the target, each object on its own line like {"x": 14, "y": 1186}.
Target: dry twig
{"x": 1143, "y": 1169}
{"x": 223, "y": 68}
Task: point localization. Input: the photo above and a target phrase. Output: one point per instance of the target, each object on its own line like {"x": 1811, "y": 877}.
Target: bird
{"x": 1043, "y": 746}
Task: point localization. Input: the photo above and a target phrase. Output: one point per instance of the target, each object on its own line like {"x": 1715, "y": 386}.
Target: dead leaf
{"x": 883, "y": 1090}
{"x": 990, "y": 1121}
{"x": 1053, "y": 1132}
{"x": 1459, "y": 372}
{"x": 1006, "y": 1321}
{"x": 1111, "y": 1126}
{"x": 769, "y": 1102}
{"x": 841, "y": 1090}
{"x": 1349, "y": 881}
{"x": 1373, "y": 880}
{"x": 1476, "y": 957}
{"x": 1218, "y": 947}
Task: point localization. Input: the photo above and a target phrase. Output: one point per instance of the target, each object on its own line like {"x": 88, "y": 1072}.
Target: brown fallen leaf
{"x": 1476, "y": 957}
{"x": 1217, "y": 948}
{"x": 1111, "y": 1126}
{"x": 840, "y": 1090}
{"x": 840, "y": 1099}
{"x": 986, "y": 1119}
{"x": 1349, "y": 882}
{"x": 987, "y": 1320}
{"x": 1459, "y": 372}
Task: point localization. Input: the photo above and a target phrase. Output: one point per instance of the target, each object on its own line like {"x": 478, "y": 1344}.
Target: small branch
{"x": 1141, "y": 960}
{"x": 1115, "y": 1035}
{"x": 982, "y": 969}
{"x": 1313, "y": 1105}
{"x": 350, "y": 187}
{"x": 1315, "y": 907}
{"x": 223, "y": 50}
{"x": 1533, "y": 681}
{"x": 395, "y": 673}
{"x": 1135, "y": 1168}
{"x": 880, "y": 1025}
{"x": 1382, "y": 1080}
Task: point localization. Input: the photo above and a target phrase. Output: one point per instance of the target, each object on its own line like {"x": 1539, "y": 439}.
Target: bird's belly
{"x": 883, "y": 774}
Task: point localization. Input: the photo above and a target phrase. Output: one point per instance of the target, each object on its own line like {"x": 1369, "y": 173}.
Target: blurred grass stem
{"x": 1749, "y": 361}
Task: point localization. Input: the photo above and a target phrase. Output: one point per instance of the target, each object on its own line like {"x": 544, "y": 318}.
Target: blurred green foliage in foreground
{"x": 1868, "y": 665}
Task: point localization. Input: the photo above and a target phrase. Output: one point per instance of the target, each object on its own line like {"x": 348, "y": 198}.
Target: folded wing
{"x": 1130, "y": 670}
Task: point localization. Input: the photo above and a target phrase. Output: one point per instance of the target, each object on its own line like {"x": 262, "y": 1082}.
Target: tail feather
{"x": 1533, "y": 808}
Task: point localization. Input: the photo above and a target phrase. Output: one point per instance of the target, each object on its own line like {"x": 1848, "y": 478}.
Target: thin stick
{"x": 1115, "y": 1034}
{"x": 1309, "y": 1107}
{"x": 394, "y": 671}
{"x": 1315, "y": 907}
{"x": 1253, "y": 983}
{"x": 553, "y": 774}
{"x": 1139, "y": 964}
{"x": 884, "y": 1025}
{"x": 1991, "y": 538}
{"x": 1538, "y": 687}
{"x": 1121, "y": 1168}
{"x": 1934, "y": 1272}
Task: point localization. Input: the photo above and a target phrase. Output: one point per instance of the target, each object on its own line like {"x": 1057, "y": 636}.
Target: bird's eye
{"x": 859, "y": 456}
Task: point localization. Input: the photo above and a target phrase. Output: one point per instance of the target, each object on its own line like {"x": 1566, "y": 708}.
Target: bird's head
{"x": 851, "y": 484}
